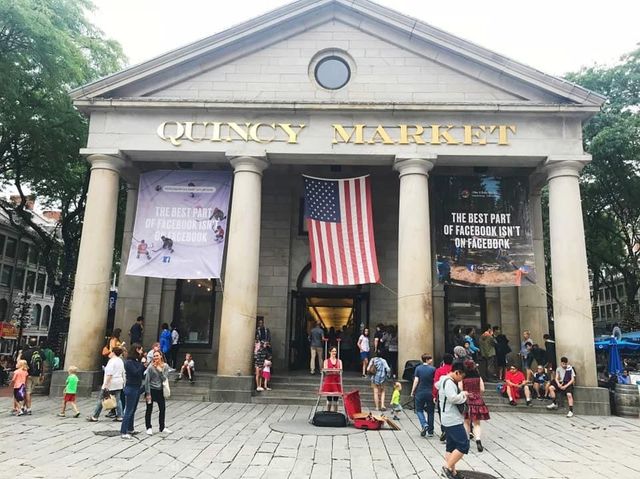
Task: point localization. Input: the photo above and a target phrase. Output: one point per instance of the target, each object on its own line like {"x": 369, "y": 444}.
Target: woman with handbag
{"x": 112, "y": 385}
{"x": 134, "y": 369}
{"x": 156, "y": 382}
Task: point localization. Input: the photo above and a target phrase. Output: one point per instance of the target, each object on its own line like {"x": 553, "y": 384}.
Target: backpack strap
{"x": 444, "y": 403}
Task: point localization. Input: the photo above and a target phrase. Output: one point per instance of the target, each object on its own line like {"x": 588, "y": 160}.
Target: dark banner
{"x": 483, "y": 230}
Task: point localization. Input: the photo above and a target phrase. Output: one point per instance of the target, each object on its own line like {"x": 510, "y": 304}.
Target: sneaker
{"x": 260, "y": 389}
{"x": 118, "y": 419}
{"x": 149, "y": 432}
{"x": 28, "y": 412}
{"x": 166, "y": 431}
{"x": 479, "y": 446}
{"x": 570, "y": 414}
{"x": 21, "y": 413}
{"x": 446, "y": 472}
{"x": 529, "y": 403}
{"x": 364, "y": 375}
{"x": 92, "y": 419}
{"x": 471, "y": 436}
{"x": 429, "y": 434}
{"x": 268, "y": 389}
{"x": 512, "y": 403}
{"x": 443, "y": 437}
{"x": 423, "y": 432}
{"x": 552, "y": 406}
{"x": 110, "y": 414}
{"x": 76, "y": 414}
{"x": 312, "y": 372}
{"x": 126, "y": 436}
{"x": 395, "y": 418}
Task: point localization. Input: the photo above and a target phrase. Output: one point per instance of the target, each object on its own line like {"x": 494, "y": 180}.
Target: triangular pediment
{"x": 393, "y": 58}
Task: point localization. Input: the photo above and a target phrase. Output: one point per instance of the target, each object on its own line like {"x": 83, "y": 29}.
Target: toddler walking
{"x": 70, "y": 390}
{"x": 19, "y": 384}
{"x": 395, "y": 401}
{"x": 266, "y": 372}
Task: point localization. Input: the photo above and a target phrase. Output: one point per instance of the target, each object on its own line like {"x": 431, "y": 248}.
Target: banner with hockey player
{"x": 181, "y": 224}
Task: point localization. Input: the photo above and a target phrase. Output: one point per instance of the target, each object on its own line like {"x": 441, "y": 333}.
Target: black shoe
{"x": 529, "y": 403}
{"x": 443, "y": 437}
{"x": 471, "y": 436}
{"x": 479, "y": 446}
{"x": 423, "y": 432}
{"x": 446, "y": 472}
{"x": 513, "y": 403}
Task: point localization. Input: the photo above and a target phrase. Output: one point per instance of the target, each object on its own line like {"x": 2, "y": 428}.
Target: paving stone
{"x": 235, "y": 440}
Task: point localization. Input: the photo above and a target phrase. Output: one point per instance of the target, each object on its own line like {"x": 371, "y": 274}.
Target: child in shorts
{"x": 70, "y": 390}
{"x": 266, "y": 372}
{"x": 541, "y": 383}
{"x": 395, "y": 401}
{"x": 19, "y": 385}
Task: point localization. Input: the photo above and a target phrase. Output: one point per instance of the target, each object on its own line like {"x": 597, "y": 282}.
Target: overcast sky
{"x": 555, "y": 36}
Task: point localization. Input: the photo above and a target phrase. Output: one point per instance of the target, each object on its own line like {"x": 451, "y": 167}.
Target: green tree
{"x": 48, "y": 47}
{"x": 611, "y": 182}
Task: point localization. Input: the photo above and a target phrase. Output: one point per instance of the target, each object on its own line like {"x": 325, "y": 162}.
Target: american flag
{"x": 340, "y": 223}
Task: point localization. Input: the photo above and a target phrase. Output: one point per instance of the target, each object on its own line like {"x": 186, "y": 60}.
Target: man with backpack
{"x": 451, "y": 400}
{"x": 422, "y": 391}
{"x": 34, "y": 358}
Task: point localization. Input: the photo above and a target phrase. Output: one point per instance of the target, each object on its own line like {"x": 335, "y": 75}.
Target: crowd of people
{"x": 129, "y": 372}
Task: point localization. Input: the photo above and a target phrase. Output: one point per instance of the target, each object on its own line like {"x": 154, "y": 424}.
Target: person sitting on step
{"x": 188, "y": 369}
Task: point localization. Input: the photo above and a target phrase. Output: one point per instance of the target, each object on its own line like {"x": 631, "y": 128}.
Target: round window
{"x": 332, "y": 73}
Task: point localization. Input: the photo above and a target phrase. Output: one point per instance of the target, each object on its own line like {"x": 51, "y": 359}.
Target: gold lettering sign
{"x": 177, "y": 132}
{"x": 469, "y": 135}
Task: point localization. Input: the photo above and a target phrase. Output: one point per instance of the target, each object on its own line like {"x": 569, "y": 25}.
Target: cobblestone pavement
{"x": 234, "y": 440}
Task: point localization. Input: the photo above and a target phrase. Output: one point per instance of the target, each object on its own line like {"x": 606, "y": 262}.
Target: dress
{"x": 331, "y": 382}
{"x": 478, "y": 410}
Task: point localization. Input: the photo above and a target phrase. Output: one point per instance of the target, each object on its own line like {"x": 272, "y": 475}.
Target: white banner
{"x": 181, "y": 224}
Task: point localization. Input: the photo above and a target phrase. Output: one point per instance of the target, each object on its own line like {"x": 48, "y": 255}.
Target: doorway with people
{"x": 342, "y": 312}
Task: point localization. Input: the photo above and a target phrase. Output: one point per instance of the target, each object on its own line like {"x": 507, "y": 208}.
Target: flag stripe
{"x": 345, "y": 238}
{"x": 340, "y": 223}
{"x": 372, "y": 245}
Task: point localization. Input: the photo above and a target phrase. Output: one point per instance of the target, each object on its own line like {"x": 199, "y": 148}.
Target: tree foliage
{"x": 48, "y": 47}
{"x": 611, "y": 182}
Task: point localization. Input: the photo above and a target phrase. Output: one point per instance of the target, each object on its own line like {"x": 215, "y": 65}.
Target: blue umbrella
{"x": 615, "y": 361}
{"x": 605, "y": 344}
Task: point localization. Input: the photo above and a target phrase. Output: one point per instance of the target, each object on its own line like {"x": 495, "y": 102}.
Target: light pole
{"x": 21, "y": 317}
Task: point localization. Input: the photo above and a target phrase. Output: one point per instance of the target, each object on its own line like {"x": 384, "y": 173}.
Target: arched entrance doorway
{"x": 342, "y": 311}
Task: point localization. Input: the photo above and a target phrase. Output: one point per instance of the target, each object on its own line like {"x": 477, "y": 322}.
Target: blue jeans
{"x": 425, "y": 401}
{"x": 132, "y": 397}
{"x": 98, "y": 409}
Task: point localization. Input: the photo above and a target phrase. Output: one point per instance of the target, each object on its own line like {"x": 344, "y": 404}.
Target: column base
{"x": 591, "y": 401}
{"x": 89, "y": 381}
{"x": 231, "y": 388}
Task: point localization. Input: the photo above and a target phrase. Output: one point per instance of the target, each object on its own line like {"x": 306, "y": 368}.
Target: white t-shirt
{"x": 115, "y": 368}
{"x": 190, "y": 364}
{"x": 267, "y": 366}
{"x": 175, "y": 337}
{"x": 363, "y": 341}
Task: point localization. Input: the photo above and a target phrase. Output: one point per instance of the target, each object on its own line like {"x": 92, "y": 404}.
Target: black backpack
{"x": 35, "y": 363}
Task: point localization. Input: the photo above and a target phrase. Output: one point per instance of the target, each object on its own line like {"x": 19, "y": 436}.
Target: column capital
{"x": 414, "y": 165}
{"x": 565, "y": 165}
{"x": 251, "y": 164}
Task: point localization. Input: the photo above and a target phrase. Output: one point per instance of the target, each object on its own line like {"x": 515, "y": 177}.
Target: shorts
{"x": 31, "y": 383}
{"x": 266, "y": 375}
{"x": 333, "y": 398}
{"x": 69, "y": 397}
{"x": 569, "y": 390}
{"x": 364, "y": 355}
{"x": 457, "y": 438}
{"x": 396, "y": 408}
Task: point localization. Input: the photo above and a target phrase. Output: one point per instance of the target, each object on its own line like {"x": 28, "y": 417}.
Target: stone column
{"x": 91, "y": 292}
{"x": 533, "y": 298}
{"x": 240, "y": 297}
{"x": 571, "y": 302}
{"x": 130, "y": 288}
{"x": 415, "y": 311}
